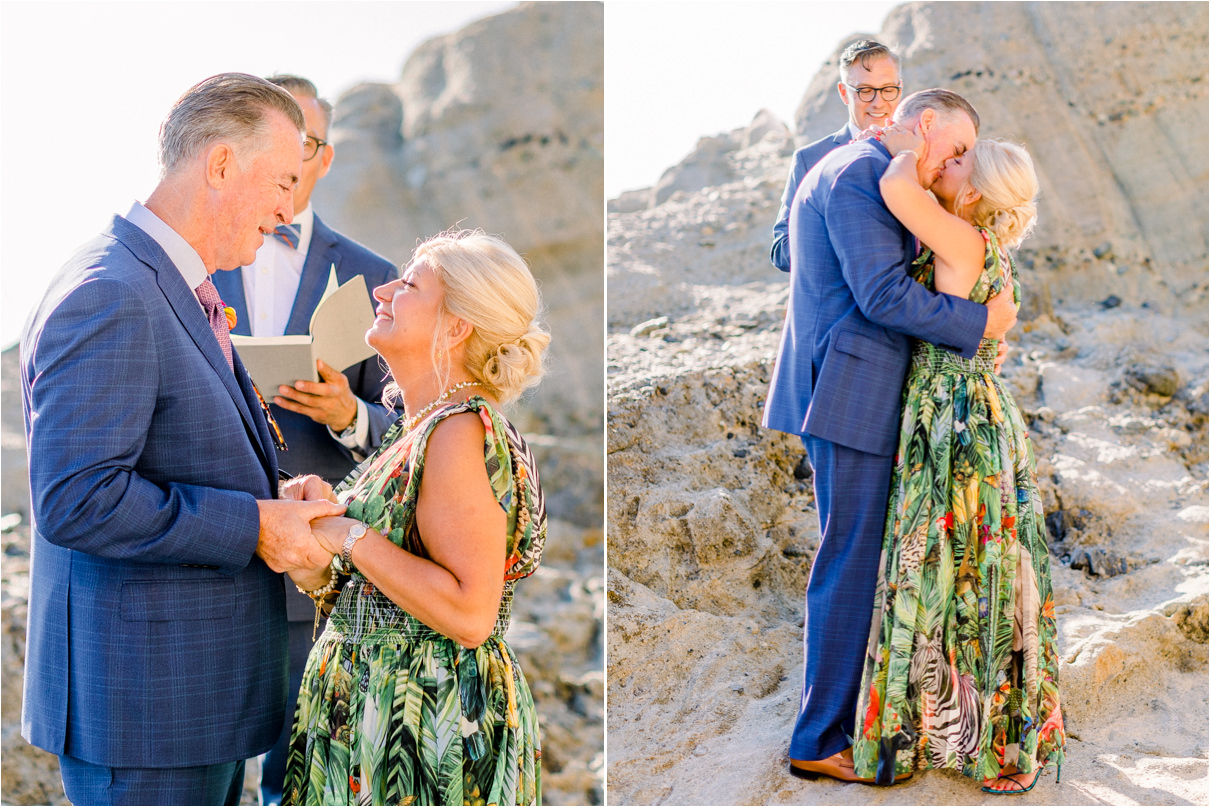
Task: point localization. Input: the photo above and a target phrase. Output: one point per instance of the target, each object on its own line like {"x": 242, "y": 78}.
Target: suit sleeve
{"x": 780, "y": 253}
{"x": 94, "y": 389}
{"x": 868, "y": 241}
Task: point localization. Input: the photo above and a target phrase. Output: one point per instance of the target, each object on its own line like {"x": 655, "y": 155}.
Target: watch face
{"x": 357, "y": 531}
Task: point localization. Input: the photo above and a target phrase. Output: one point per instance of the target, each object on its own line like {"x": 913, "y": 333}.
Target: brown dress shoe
{"x": 839, "y": 766}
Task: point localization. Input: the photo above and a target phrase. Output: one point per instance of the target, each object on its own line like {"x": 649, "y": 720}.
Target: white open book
{"x": 337, "y": 335}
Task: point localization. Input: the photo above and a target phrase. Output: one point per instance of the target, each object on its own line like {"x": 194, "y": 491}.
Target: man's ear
{"x": 841, "y": 90}
{"x": 220, "y": 165}
{"x": 928, "y": 118}
{"x": 326, "y": 159}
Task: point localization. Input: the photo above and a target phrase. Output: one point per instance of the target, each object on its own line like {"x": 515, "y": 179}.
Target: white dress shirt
{"x": 271, "y": 282}
{"x": 182, "y": 255}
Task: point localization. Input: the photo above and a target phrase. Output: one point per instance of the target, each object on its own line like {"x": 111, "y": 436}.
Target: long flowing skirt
{"x": 961, "y": 667}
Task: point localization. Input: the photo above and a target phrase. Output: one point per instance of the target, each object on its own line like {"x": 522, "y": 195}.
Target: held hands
{"x": 307, "y": 487}
{"x": 285, "y": 541}
{"x": 330, "y": 532}
{"x": 329, "y": 402}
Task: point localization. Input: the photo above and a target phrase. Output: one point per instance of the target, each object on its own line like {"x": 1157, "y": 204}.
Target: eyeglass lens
{"x": 889, "y": 93}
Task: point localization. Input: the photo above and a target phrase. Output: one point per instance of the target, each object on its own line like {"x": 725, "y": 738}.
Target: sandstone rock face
{"x": 496, "y": 126}
{"x": 712, "y": 519}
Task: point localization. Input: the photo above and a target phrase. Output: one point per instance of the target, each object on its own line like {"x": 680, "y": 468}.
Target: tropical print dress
{"x": 392, "y": 713}
{"x": 961, "y": 666}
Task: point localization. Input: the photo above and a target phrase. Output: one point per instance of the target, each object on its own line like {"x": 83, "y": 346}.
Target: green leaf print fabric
{"x": 962, "y": 663}
{"x": 392, "y": 713}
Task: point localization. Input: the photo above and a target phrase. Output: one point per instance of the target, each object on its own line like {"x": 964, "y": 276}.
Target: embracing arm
{"x": 869, "y": 243}
{"x": 457, "y": 593}
{"x": 957, "y": 245}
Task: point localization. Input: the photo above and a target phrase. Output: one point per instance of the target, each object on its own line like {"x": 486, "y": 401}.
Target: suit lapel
{"x": 320, "y": 257}
{"x": 231, "y": 289}
{"x": 184, "y": 304}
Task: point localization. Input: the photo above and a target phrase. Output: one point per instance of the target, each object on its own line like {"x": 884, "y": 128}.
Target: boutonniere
{"x": 231, "y": 318}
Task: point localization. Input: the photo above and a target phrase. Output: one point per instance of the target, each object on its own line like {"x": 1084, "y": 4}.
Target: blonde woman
{"x": 961, "y": 669}
{"x": 411, "y": 695}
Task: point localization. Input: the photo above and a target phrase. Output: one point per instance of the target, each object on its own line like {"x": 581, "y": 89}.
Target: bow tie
{"x": 289, "y": 233}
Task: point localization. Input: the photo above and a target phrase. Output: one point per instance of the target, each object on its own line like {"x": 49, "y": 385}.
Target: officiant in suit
{"x": 870, "y": 88}
{"x": 155, "y": 659}
{"x": 331, "y": 424}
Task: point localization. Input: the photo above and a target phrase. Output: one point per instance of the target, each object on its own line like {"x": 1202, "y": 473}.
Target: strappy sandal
{"x": 1020, "y": 789}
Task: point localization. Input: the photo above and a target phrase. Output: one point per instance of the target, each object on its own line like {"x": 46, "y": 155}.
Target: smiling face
{"x": 257, "y": 192}
{"x": 876, "y": 112}
{"x": 407, "y": 313}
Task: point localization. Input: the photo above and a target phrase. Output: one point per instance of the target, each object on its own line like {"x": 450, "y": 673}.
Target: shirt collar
{"x": 305, "y": 219}
{"x": 184, "y": 257}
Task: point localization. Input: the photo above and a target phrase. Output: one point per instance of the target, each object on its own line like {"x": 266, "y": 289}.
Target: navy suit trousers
{"x": 91, "y": 784}
{"x": 851, "y": 496}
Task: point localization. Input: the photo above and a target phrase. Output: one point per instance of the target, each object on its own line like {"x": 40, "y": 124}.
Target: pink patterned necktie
{"x": 208, "y": 296}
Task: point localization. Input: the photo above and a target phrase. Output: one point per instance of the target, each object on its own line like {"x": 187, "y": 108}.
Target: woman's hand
{"x": 871, "y": 131}
{"x": 330, "y": 532}
{"x": 898, "y": 138}
{"x": 307, "y": 487}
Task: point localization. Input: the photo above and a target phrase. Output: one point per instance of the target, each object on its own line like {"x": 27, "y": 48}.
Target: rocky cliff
{"x": 712, "y": 521}
{"x": 497, "y": 126}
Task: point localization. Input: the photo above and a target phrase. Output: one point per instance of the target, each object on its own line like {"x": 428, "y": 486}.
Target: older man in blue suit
{"x": 156, "y": 641}
{"x": 870, "y": 89}
{"x": 330, "y": 424}
{"x": 845, "y": 350}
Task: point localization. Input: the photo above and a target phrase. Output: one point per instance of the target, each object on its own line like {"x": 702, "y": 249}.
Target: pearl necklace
{"x": 415, "y": 419}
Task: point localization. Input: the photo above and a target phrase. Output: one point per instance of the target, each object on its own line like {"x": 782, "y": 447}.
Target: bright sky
{"x": 677, "y": 71}
{"x": 86, "y": 84}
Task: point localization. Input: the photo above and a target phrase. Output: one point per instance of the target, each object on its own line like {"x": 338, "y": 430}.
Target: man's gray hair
{"x": 299, "y": 86}
{"x": 866, "y": 52}
{"x": 944, "y": 102}
{"x": 229, "y": 107}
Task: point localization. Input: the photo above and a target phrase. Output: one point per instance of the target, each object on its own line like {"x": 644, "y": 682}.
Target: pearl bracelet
{"x": 317, "y": 594}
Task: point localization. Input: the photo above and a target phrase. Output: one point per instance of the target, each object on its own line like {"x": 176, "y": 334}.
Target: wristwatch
{"x": 351, "y": 430}
{"x": 355, "y": 532}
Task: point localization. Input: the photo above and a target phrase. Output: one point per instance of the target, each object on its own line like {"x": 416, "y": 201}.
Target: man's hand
{"x": 285, "y": 541}
{"x": 1002, "y": 314}
{"x": 307, "y": 487}
{"x": 1002, "y": 353}
{"x": 329, "y": 402}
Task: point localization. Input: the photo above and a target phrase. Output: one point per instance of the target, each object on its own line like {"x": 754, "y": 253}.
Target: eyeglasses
{"x": 312, "y": 146}
{"x": 867, "y": 94}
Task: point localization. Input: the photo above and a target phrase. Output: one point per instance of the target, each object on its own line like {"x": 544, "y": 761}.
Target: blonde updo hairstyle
{"x": 1004, "y": 175}
{"x": 488, "y": 285}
